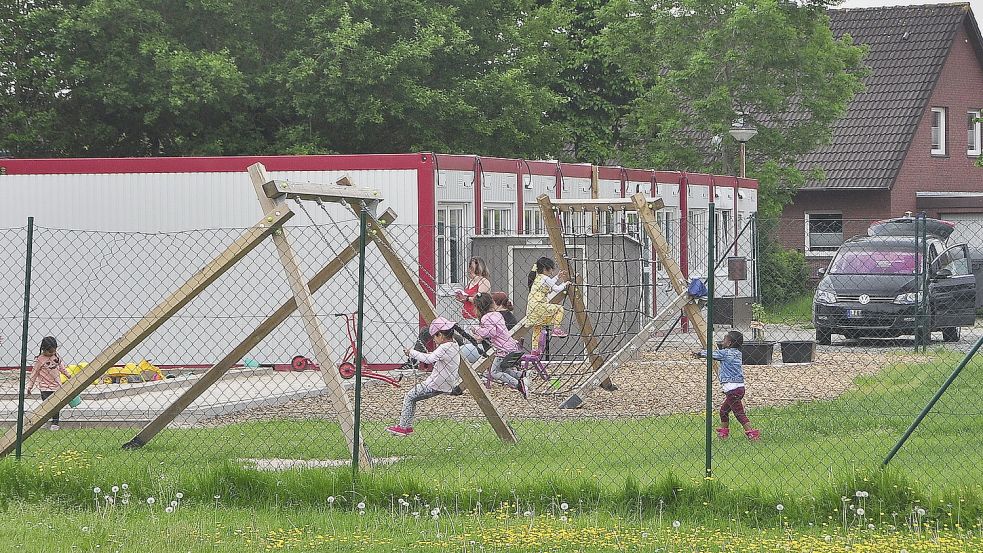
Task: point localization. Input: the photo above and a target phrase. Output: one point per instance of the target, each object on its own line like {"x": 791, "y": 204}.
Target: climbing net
{"x": 614, "y": 272}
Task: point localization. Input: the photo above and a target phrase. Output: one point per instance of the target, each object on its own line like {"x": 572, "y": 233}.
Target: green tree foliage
{"x": 160, "y": 77}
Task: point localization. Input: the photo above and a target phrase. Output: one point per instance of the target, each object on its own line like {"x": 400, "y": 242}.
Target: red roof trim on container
{"x": 234, "y": 164}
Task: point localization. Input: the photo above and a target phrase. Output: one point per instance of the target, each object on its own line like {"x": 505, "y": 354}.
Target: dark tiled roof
{"x": 907, "y": 47}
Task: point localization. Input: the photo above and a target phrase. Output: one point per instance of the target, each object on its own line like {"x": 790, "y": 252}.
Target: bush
{"x": 784, "y": 274}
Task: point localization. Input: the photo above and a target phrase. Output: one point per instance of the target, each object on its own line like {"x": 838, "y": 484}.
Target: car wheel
{"x": 951, "y": 334}
{"x": 824, "y": 336}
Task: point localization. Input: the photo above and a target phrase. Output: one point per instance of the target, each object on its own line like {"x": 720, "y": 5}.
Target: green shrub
{"x": 783, "y": 274}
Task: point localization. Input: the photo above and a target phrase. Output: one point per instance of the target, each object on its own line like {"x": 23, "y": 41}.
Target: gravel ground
{"x": 656, "y": 383}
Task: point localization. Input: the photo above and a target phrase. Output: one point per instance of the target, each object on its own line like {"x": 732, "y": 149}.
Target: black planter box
{"x": 798, "y": 351}
{"x": 757, "y": 353}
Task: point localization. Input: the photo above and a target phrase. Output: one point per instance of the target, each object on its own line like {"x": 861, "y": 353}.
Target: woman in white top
{"x": 446, "y": 361}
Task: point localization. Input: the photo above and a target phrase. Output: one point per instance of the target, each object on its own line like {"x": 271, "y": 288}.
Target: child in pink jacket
{"x": 492, "y": 327}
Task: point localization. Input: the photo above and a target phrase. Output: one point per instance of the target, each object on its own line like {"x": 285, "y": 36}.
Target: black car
{"x": 869, "y": 288}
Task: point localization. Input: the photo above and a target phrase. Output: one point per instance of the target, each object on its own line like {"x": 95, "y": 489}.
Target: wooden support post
{"x": 576, "y": 296}
{"x": 429, "y": 312}
{"x": 305, "y": 306}
{"x": 216, "y": 371}
{"x": 646, "y": 217}
{"x": 579, "y": 396}
{"x": 271, "y": 222}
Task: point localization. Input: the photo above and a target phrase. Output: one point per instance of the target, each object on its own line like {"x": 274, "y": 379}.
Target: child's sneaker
{"x": 558, "y": 332}
{"x": 753, "y": 435}
{"x": 524, "y": 385}
{"x": 54, "y": 427}
{"x": 723, "y": 433}
{"x": 397, "y": 430}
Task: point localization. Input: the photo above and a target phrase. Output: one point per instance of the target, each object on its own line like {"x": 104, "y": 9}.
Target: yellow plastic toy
{"x": 144, "y": 370}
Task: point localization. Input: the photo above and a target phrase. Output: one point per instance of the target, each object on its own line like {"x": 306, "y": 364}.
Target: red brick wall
{"x": 959, "y": 89}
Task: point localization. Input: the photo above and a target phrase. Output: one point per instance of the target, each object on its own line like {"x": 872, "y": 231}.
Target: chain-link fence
{"x": 835, "y": 371}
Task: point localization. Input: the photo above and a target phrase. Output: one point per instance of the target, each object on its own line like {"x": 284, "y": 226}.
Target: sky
{"x": 977, "y": 5}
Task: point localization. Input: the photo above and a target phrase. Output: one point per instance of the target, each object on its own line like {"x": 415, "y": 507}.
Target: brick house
{"x": 910, "y": 141}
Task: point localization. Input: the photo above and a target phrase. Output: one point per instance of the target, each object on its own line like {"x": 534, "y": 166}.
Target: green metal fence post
{"x": 711, "y": 266}
{"x": 362, "y": 223}
{"x": 23, "y": 339}
{"x": 934, "y": 400}
{"x": 923, "y": 301}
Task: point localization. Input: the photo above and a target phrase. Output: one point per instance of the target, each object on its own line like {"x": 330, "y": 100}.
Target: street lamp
{"x": 742, "y": 134}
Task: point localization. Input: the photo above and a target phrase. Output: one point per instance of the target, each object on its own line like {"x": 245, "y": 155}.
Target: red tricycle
{"x": 347, "y": 366}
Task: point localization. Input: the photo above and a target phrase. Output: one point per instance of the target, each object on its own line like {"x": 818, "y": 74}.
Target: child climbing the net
{"x": 443, "y": 379}
{"x": 539, "y": 311}
{"x": 732, "y": 382}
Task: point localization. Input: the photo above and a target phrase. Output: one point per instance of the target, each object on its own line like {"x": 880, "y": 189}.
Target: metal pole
{"x": 743, "y": 164}
{"x": 23, "y": 339}
{"x": 711, "y": 254}
{"x": 918, "y": 283}
{"x": 362, "y": 223}
{"x": 935, "y": 399}
{"x": 926, "y": 316}
{"x": 754, "y": 254}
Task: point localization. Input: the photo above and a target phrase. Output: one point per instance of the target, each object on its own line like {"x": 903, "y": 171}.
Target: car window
{"x": 866, "y": 262}
{"x": 956, "y": 261}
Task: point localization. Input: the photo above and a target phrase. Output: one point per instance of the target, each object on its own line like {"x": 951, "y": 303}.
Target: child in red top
{"x": 47, "y": 367}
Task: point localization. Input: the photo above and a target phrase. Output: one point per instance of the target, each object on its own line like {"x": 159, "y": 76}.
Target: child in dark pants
{"x": 47, "y": 367}
{"x": 732, "y": 383}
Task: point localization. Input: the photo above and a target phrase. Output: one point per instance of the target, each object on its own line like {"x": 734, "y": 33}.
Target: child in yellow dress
{"x": 539, "y": 311}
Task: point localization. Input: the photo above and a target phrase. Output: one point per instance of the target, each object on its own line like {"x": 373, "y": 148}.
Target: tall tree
{"x": 703, "y": 64}
{"x": 164, "y": 77}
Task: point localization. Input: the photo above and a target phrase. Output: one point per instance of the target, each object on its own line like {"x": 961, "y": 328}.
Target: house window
{"x": 496, "y": 220}
{"x": 974, "y": 146}
{"x": 533, "y": 221}
{"x": 938, "y": 131}
{"x": 824, "y": 232}
{"x": 450, "y": 245}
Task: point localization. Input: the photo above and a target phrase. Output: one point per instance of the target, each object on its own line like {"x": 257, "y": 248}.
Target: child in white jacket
{"x": 446, "y": 361}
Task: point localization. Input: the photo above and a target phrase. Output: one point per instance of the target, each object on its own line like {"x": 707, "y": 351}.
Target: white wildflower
{"x": 169, "y": 510}
{"x": 125, "y": 486}
{"x": 675, "y": 524}
{"x": 151, "y": 501}
{"x": 861, "y": 512}
{"x": 179, "y": 495}
{"x": 115, "y": 489}
{"x": 96, "y": 490}
{"x": 564, "y": 506}
{"x": 780, "y": 507}
{"x": 330, "y": 500}
{"x": 361, "y": 506}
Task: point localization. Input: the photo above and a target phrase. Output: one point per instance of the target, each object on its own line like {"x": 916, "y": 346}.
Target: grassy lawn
{"x": 812, "y": 454}
{"x": 44, "y": 527}
{"x": 795, "y": 312}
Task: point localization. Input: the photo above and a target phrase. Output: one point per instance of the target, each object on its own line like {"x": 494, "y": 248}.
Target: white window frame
{"x": 532, "y": 222}
{"x": 940, "y": 114}
{"x": 496, "y": 220}
{"x": 446, "y": 238}
{"x": 807, "y": 244}
{"x": 974, "y": 133}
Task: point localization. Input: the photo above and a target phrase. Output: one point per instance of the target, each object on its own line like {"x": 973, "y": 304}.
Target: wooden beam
{"x": 617, "y": 204}
{"x": 576, "y": 297}
{"x": 646, "y": 217}
{"x": 579, "y": 395}
{"x": 429, "y": 312}
{"x": 216, "y": 371}
{"x": 271, "y": 222}
{"x": 286, "y": 190}
{"x": 305, "y": 306}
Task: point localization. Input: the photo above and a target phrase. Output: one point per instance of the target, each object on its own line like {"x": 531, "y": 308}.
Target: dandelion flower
{"x": 435, "y": 511}
{"x": 361, "y": 506}
{"x": 216, "y": 497}
{"x": 85, "y": 528}
{"x": 921, "y": 512}
{"x": 169, "y": 510}
{"x": 96, "y": 490}
{"x": 827, "y": 538}
{"x": 675, "y": 524}
{"x": 151, "y": 501}
{"x": 564, "y": 519}
{"x": 115, "y": 489}
{"x": 125, "y": 486}
{"x": 527, "y": 513}
{"x": 564, "y": 506}
{"x": 330, "y": 499}
{"x": 780, "y": 507}
{"x": 870, "y": 526}
{"x": 179, "y": 495}
{"x": 645, "y": 535}
{"x": 173, "y": 503}
{"x": 861, "y": 511}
